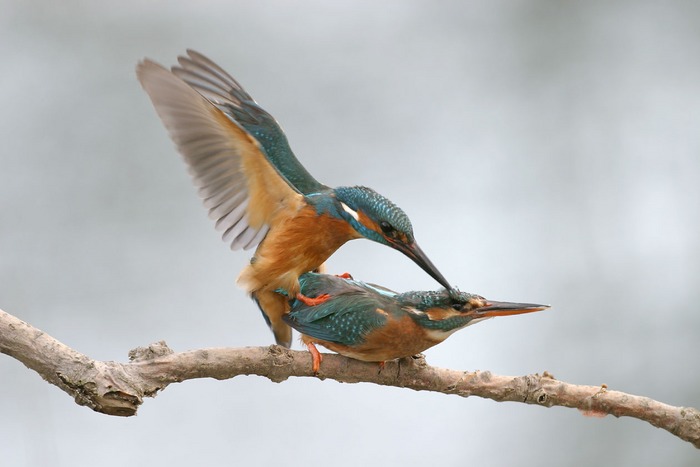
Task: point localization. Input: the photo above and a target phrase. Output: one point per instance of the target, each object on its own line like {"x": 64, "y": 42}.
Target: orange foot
{"x": 381, "y": 366}
{"x": 345, "y": 275}
{"x": 316, "y": 357}
{"x": 312, "y": 301}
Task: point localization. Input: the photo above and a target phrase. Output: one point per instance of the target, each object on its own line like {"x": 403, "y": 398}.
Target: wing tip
{"x": 147, "y": 64}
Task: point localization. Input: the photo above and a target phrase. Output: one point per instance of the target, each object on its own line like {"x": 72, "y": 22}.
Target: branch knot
{"x": 152, "y": 351}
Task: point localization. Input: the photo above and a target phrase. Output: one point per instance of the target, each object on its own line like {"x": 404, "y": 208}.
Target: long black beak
{"x": 493, "y": 308}
{"x": 414, "y": 252}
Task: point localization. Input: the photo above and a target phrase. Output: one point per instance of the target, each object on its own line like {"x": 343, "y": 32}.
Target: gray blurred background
{"x": 546, "y": 151}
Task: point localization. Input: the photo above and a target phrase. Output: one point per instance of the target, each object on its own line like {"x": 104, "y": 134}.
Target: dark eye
{"x": 457, "y": 306}
{"x": 387, "y": 228}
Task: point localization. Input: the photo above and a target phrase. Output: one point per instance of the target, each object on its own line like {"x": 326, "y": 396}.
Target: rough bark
{"x": 116, "y": 388}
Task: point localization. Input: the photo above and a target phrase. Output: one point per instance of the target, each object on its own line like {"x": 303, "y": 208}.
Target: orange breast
{"x": 295, "y": 245}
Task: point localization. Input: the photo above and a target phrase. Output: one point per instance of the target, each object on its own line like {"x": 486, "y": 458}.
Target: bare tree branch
{"x": 119, "y": 388}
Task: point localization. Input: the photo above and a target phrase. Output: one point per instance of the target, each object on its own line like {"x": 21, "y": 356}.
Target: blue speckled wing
{"x": 347, "y": 317}
{"x": 346, "y": 322}
{"x": 220, "y": 88}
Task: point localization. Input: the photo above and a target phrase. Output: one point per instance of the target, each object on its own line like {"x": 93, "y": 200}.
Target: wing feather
{"x": 241, "y": 188}
{"x": 220, "y": 88}
{"x": 232, "y": 218}
{"x": 226, "y": 207}
{"x": 347, "y": 321}
{"x": 346, "y": 317}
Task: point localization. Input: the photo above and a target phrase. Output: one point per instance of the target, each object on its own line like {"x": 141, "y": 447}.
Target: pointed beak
{"x": 414, "y": 252}
{"x": 492, "y": 308}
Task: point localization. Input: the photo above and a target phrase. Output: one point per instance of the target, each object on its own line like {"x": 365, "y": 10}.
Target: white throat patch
{"x": 347, "y": 209}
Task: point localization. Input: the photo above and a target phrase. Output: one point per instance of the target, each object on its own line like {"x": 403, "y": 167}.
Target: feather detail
{"x": 241, "y": 188}
{"x": 222, "y": 90}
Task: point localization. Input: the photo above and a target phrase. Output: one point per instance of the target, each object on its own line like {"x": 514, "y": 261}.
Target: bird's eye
{"x": 458, "y": 306}
{"x": 387, "y": 228}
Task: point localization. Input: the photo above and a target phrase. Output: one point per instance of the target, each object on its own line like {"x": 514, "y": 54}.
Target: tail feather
{"x": 273, "y": 307}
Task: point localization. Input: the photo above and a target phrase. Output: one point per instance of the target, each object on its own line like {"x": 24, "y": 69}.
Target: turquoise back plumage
{"x": 263, "y": 127}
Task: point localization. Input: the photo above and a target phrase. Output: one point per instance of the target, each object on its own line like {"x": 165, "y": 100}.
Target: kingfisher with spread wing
{"x": 257, "y": 191}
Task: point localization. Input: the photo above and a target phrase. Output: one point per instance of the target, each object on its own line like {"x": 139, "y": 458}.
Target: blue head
{"x": 378, "y": 219}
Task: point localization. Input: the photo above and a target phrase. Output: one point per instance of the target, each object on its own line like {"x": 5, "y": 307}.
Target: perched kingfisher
{"x": 371, "y": 323}
{"x": 257, "y": 191}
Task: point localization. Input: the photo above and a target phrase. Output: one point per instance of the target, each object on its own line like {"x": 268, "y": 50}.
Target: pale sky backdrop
{"x": 546, "y": 151}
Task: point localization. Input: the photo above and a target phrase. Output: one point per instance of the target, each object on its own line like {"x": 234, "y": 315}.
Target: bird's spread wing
{"x": 210, "y": 80}
{"x": 239, "y": 185}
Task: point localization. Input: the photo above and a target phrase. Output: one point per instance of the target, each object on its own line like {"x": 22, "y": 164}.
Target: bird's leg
{"x": 381, "y": 366}
{"x": 308, "y": 301}
{"x": 345, "y": 275}
{"x": 316, "y": 357}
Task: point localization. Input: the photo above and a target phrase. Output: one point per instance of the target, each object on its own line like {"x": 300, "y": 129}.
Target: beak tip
{"x": 415, "y": 252}
{"x": 494, "y": 308}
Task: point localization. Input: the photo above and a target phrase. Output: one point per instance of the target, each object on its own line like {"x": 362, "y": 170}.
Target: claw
{"x": 316, "y": 357}
{"x": 308, "y": 301}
